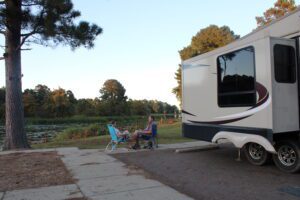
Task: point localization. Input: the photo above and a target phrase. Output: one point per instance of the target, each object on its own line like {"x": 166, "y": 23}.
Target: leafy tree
{"x": 30, "y": 103}
{"x": 86, "y": 107}
{"x": 112, "y": 90}
{"x": 113, "y": 97}
{"x": 60, "y": 104}
{"x": 42, "y": 93}
{"x": 205, "y": 40}
{"x": 178, "y": 89}
{"x": 138, "y": 107}
{"x": 281, "y": 7}
{"x": 45, "y": 22}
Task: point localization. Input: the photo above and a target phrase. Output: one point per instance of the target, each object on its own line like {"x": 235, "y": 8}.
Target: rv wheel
{"x": 287, "y": 158}
{"x": 256, "y": 154}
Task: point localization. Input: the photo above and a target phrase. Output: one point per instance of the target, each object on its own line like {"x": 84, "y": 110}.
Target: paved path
{"x": 100, "y": 176}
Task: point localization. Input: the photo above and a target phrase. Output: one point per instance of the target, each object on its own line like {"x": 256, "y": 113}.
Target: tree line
{"x": 42, "y": 102}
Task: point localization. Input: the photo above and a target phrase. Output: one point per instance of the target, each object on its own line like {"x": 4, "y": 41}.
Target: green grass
{"x": 167, "y": 134}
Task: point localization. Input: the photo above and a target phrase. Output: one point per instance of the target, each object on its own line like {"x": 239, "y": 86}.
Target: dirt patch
{"x": 32, "y": 170}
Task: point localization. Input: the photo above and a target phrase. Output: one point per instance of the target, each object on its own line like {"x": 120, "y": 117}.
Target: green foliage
{"x": 80, "y": 119}
{"x": 60, "y": 104}
{"x": 77, "y": 133}
{"x": 205, "y": 40}
{"x": 113, "y": 99}
{"x": 42, "y": 104}
{"x": 281, "y": 7}
{"x": 113, "y": 91}
{"x": 50, "y": 23}
{"x": 169, "y": 133}
{"x": 208, "y": 39}
{"x": 178, "y": 89}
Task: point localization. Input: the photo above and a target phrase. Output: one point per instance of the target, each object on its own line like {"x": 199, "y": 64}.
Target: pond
{"x": 41, "y": 133}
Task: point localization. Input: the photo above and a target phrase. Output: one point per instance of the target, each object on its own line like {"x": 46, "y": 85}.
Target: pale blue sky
{"x": 139, "y": 45}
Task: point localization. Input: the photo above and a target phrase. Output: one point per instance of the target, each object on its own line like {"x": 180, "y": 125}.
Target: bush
{"x": 78, "y": 133}
{"x": 97, "y": 129}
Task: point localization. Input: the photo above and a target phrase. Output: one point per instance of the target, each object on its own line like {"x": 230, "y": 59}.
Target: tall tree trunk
{"x": 14, "y": 125}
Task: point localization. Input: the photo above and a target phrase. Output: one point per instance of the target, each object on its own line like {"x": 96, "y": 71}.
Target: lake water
{"x": 40, "y": 133}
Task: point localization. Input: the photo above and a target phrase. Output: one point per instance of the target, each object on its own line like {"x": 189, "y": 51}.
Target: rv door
{"x": 284, "y": 85}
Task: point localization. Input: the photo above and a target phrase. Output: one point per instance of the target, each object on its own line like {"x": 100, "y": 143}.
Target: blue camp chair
{"x": 112, "y": 145}
{"x": 153, "y": 138}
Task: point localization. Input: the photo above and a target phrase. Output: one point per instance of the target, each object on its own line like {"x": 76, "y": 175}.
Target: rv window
{"x": 284, "y": 64}
{"x": 236, "y": 80}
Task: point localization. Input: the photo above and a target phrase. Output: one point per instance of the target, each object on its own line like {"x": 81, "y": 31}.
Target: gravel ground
{"x": 215, "y": 174}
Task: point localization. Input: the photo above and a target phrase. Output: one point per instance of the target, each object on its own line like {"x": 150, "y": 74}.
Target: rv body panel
{"x": 270, "y": 108}
{"x": 200, "y": 97}
{"x": 284, "y": 93}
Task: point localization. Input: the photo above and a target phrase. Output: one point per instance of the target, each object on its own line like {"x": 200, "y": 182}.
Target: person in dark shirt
{"x": 142, "y": 133}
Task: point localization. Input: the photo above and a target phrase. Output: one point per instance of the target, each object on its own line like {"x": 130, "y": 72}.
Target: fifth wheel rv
{"x": 248, "y": 93}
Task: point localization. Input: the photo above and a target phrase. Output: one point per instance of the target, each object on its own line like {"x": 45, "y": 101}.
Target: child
{"x": 125, "y": 134}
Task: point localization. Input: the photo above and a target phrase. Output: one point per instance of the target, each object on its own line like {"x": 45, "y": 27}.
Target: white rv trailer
{"x": 248, "y": 92}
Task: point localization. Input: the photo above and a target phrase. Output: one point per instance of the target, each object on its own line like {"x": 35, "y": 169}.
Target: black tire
{"x": 287, "y": 158}
{"x": 256, "y": 154}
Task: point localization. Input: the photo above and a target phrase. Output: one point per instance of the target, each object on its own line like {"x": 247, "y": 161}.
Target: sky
{"x": 138, "y": 47}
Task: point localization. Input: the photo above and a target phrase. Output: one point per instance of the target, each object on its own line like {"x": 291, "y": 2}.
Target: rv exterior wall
{"x": 200, "y": 92}
{"x": 285, "y": 89}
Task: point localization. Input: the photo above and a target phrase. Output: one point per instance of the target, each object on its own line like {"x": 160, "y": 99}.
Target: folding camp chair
{"x": 112, "y": 145}
{"x": 153, "y": 140}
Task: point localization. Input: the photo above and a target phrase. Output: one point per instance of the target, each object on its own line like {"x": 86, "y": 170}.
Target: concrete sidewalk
{"x": 100, "y": 176}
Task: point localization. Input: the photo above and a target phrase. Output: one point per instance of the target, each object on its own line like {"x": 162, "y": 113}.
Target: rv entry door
{"x": 284, "y": 85}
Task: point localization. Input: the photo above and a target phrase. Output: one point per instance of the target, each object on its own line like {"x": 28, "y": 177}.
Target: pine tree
{"x": 45, "y": 22}
{"x": 205, "y": 40}
{"x": 281, "y": 7}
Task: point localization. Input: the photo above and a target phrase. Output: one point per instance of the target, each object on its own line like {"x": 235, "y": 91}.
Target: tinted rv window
{"x": 236, "y": 82}
{"x": 284, "y": 64}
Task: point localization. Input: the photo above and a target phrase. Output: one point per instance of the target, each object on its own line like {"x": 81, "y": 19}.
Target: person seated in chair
{"x": 125, "y": 134}
{"x": 146, "y": 133}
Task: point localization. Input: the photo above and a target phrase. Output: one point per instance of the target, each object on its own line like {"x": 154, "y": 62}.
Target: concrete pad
{"x": 1, "y": 195}
{"x": 78, "y": 160}
{"x": 163, "y": 192}
{"x": 199, "y": 148}
{"x": 183, "y": 145}
{"x": 114, "y": 184}
{"x": 99, "y": 170}
{"x": 67, "y": 150}
{"x": 45, "y": 193}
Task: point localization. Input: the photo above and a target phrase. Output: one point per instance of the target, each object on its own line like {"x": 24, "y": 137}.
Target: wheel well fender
{"x": 241, "y": 139}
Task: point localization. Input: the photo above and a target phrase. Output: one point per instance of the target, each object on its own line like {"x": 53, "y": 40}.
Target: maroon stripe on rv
{"x": 185, "y": 112}
{"x": 263, "y": 96}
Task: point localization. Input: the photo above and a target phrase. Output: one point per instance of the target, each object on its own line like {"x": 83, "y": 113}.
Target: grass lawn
{"x": 167, "y": 134}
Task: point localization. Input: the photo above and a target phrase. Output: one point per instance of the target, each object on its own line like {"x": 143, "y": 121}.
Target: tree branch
{"x": 30, "y": 4}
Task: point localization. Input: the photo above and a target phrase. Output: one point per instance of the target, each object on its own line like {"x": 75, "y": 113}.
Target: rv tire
{"x": 256, "y": 154}
{"x": 287, "y": 158}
